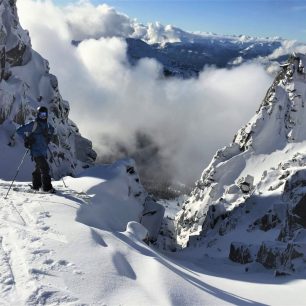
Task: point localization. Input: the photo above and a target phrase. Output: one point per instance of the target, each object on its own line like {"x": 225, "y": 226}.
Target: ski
{"x": 51, "y": 191}
{"x": 32, "y": 190}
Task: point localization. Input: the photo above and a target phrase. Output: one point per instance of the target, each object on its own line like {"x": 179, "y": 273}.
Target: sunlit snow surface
{"x": 71, "y": 248}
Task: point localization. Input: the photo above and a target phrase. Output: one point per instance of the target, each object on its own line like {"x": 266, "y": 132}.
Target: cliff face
{"x": 250, "y": 198}
{"x": 26, "y": 84}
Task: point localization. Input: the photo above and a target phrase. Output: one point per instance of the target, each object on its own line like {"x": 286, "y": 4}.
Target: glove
{"x": 28, "y": 142}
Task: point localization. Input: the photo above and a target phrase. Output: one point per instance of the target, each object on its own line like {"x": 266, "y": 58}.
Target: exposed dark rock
{"x": 269, "y": 256}
{"x": 275, "y": 255}
{"x": 241, "y": 253}
{"x": 300, "y": 211}
{"x": 246, "y": 184}
{"x": 15, "y": 55}
{"x": 53, "y": 81}
{"x": 290, "y": 228}
{"x": 267, "y": 222}
{"x": 293, "y": 183}
{"x": 84, "y": 151}
{"x": 213, "y": 216}
{"x": 130, "y": 170}
{"x": 278, "y": 273}
{"x": 227, "y": 225}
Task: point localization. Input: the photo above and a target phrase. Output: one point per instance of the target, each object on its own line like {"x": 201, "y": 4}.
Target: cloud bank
{"x": 134, "y": 110}
{"x": 288, "y": 47}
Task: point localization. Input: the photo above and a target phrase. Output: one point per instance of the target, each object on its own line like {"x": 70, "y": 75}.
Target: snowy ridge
{"x": 185, "y": 54}
{"x": 187, "y": 57}
{"x": 245, "y": 188}
{"x": 26, "y": 84}
{"x": 157, "y": 33}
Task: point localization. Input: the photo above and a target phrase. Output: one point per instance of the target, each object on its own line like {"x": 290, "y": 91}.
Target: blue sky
{"x": 285, "y": 18}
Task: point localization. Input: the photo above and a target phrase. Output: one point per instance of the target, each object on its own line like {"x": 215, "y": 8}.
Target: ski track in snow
{"x": 22, "y": 253}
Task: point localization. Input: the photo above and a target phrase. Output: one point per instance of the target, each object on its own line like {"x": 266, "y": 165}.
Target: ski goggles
{"x": 43, "y": 115}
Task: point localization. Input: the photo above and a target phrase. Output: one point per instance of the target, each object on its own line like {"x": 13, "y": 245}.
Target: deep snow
{"x": 72, "y": 248}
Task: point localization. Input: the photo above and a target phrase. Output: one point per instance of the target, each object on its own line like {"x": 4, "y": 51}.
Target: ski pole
{"x": 25, "y": 154}
{"x": 52, "y": 156}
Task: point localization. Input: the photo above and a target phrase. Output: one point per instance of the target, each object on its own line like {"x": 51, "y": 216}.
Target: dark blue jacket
{"x": 40, "y": 135}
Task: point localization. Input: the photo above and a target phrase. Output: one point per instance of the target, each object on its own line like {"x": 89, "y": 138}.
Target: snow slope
{"x": 78, "y": 247}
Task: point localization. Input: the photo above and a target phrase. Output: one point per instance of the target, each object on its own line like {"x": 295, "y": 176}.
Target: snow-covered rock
{"x": 137, "y": 230}
{"x": 251, "y": 193}
{"x": 152, "y": 218}
{"x": 25, "y": 84}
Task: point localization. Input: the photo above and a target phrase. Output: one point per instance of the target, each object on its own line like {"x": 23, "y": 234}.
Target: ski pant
{"x": 41, "y": 176}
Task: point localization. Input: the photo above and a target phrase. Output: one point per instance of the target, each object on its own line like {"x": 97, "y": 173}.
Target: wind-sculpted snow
{"x": 84, "y": 246}
{"x": 25, "y": 84}
{"x": 246, "y": 195}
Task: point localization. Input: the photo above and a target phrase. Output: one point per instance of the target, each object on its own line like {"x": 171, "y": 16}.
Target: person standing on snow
{"x": 37, "y": 135}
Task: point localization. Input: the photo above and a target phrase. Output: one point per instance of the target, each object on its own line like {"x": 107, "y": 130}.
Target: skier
{"x": 37, "y": 135}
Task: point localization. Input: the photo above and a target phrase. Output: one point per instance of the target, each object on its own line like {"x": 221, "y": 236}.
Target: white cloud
{"x": 288, "y": 47}
{"x": 112, "y": 101}
{"x": 83, "y": 20}
{"x": 86, "y": 20}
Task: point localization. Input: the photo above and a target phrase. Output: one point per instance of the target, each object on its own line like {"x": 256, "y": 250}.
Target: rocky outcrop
{"x": 226, "y": 183}
{"x": 241, "y": 253}
{"x": 25, "y": 84}
{"x": 299, "y": 211}
{"x": 273, "y": 256}
{"x": 277, "y": 256}
{"x": 250, "y": 201}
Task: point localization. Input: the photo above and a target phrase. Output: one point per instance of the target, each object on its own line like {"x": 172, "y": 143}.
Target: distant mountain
{"x": 249, "y": 204}
{"x": 25, "y": 84}
{"x": 187, "y": 58}
{"x": 185, "y": 54}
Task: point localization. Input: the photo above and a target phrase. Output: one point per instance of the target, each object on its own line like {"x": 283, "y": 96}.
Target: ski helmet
{"x": 42, "y": 113}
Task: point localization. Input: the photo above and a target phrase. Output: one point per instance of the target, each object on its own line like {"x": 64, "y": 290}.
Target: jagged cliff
{"x": 25, "y": 84}
{"x": 248, "y": 204}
